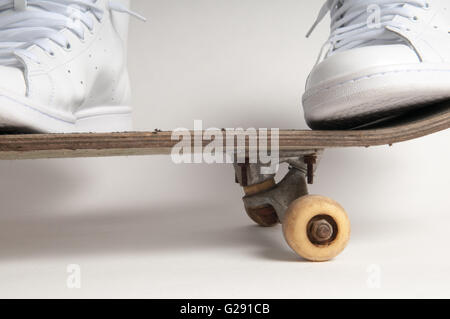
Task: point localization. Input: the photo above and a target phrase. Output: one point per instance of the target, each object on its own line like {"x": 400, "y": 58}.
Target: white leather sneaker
{"x": 383, "y": 58}
{"x": 63, "y": 65}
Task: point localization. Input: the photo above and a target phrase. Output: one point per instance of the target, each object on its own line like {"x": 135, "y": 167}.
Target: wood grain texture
{"x": 31, "y": 146}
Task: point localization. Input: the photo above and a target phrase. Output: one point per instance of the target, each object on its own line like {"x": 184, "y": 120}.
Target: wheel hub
{"x": 321, "y": 230}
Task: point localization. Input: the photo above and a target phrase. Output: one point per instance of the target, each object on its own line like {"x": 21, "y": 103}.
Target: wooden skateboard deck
{"x": 35, "y": 146}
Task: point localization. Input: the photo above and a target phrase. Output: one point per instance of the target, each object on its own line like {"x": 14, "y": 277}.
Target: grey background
{"x": 144, "y": 227}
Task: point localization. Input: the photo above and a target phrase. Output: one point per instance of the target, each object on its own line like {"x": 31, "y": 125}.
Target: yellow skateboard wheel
{"x": 317, "y": 228}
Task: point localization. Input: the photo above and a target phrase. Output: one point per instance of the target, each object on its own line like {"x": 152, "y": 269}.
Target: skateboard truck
{"x": 266, "y": 202}
{"x": 278, "y": 196}
{"x": 316, "y": 227}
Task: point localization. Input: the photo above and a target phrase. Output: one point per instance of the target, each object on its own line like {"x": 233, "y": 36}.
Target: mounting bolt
{"x": 310, "y": 161}
{"x": 321, "y": 231}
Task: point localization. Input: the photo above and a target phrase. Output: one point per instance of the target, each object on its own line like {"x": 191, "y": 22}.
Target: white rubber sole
{"x": 21, "y": 115}
{"x": 358, "y": 99}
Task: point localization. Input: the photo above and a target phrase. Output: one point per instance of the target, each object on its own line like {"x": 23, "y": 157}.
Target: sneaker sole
{"x": 359, "y": 100}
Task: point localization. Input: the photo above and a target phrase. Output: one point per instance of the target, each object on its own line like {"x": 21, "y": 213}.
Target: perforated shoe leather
{"x": 63, "y": 65}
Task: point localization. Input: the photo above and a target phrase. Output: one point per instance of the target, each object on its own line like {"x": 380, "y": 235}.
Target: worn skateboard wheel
{"x": 264, "y": 216}
{"x": 316, "y": 227}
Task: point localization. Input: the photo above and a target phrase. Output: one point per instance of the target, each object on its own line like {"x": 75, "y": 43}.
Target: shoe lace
{"x": 25, "y": 23}
{"x": 351, "y": 28}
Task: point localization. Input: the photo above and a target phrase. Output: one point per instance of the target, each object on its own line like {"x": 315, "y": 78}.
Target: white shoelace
{"x": 350, "y": 28}
{"x": 39, "y": 22}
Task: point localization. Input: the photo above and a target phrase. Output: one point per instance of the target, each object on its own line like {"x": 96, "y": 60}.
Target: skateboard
{"x": 316, "y": 227}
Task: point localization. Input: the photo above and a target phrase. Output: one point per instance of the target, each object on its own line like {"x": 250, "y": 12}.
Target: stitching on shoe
{"x": 37, "y": 110}
{"x": 367, "y": 77}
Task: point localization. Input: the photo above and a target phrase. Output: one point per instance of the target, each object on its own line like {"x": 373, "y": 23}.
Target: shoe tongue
{"x": 7, "y": 11}
{"x": 8, "y": 58}
{"x": 367, "y": 12}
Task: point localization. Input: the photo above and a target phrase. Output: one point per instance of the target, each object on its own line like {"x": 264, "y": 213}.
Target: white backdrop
{"x": 144, "y": 227}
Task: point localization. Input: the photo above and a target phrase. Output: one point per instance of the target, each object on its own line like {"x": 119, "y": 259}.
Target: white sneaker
{"x": 63, "y": 65}
{"x": 383, "y": 58}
